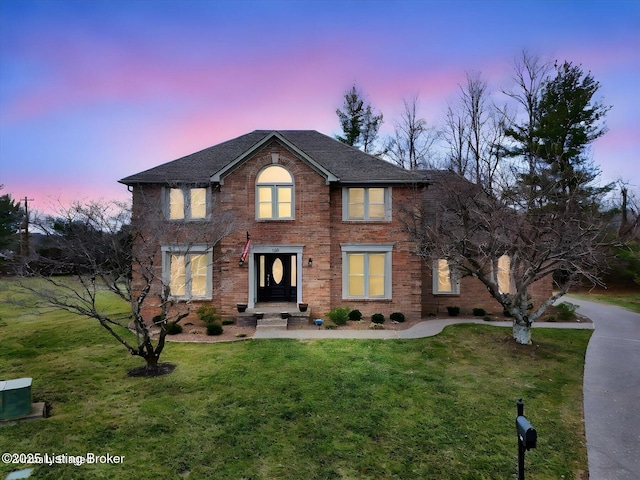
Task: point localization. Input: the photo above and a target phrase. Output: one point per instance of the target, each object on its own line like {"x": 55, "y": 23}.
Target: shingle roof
{"x": 337, "y": 160}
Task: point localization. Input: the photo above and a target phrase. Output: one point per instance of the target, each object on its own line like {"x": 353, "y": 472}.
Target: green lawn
{"x": 435, "y": 408}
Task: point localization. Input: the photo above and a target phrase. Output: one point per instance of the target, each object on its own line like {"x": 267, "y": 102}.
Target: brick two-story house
{"x": 324, "y": 221}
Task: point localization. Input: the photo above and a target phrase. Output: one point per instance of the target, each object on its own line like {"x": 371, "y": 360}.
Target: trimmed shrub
{"x": 173, "y": 328}
{"x": 228, "y": 321}
{"x": 397, "y": 317}
{"x": 208, "y": 314}
{"x": 355, "y": 315}
{"x": 214, "y": 329}
{"x": 338, "y": 315}
{"x": 377, "y": 318}
{"x": 479, "y": 312}
{"x": 453, "y": 311}
{"x": 566, "y": 311}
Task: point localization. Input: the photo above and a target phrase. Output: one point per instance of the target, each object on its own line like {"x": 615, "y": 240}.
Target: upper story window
{"x": 274, "y": 194}
{"x": 366, "y": 204}
{"x": 187, "y": 203}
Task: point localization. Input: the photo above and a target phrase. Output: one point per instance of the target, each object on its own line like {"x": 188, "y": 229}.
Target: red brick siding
{"x": 319, "y": 228}
{"x": 310, "y": 228}
{"x": 473, "y": 294}
{"x": 406, "y": 268}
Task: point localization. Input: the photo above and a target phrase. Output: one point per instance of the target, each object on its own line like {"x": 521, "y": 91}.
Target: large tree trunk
{"x": 522, "y": 333}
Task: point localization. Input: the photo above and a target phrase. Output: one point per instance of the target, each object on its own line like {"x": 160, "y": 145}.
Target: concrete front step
{"x": 273, "y": 322}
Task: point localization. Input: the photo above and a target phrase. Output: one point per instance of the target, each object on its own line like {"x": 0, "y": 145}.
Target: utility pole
{"x": 24, "y": 234}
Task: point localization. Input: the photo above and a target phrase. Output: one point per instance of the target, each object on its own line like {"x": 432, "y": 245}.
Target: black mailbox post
{"x": 527, "y": 437}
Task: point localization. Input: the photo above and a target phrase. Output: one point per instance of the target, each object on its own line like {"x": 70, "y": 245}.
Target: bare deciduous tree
{"x": 548, "y": 222}
{"x": 474, "y": 133}
{"x": 99, "y": 253}
{"x": 460, "y": 222}
{"x": 413, "y": 140}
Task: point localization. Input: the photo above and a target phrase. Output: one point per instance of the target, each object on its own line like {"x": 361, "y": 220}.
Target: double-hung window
{"x": 444, "y": 280}
{"x": 366, "y": 204}
{"x": 187, "y": 271}
{"x": 366, "y": 271}
{"x": 187, "y": 203}
{"x": 274, "y": 194}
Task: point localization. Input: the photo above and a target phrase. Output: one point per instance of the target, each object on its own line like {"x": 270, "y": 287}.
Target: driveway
{"x": 612, "y": 392}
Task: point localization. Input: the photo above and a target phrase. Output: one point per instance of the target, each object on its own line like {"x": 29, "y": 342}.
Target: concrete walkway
{"x": 428, "y": 328}
{"x": 612, "y": 392}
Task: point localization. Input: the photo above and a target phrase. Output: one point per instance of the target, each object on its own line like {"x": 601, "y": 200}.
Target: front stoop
{"x": 272, "y": 314}
{"x": 272, "y": 322}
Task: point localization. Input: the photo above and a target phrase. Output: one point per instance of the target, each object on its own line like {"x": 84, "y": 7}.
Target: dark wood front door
{"x": 277, "y": 277}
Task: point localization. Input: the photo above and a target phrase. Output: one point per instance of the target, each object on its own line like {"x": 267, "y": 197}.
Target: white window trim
{"x": 387, "y": 205}
{"x": 455, "y": 282}
{"x": 274, "y": 197}
{"x": 365, "y": 248}
{"x": 186, "y": 195}
{"x": 168, "y": 250}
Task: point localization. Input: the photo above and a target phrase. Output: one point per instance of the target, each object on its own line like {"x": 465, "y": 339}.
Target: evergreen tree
{"x": 569, "y": 120}
{"x": 11, "y": 215}
{"x": 359, "y": 124}
{"x": 555, "y": 139}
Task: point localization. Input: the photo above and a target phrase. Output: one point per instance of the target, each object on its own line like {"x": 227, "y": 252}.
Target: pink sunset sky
{"x": 92, "y": 91}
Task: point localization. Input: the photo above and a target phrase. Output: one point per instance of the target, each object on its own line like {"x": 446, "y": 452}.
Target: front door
{"x": 277, "y": 277}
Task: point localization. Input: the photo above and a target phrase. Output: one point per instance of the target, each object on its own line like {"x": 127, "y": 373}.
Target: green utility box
{"x": 15, "y": 398}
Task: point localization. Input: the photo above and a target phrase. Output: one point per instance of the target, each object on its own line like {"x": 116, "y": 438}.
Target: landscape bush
{"x": 479, "y": 312}
{"x": 174, "y": 328}
{"x": 453, "y": 311}
{"x": 397, "y": 317}
{"x": 355, "y": 315}
{"x": 214, "y": 329}
{"x": 566, "y": 311}
{"x": 338, "y": 315}
{"x": 377, "y": 318}
{"x": 208, "y": 314}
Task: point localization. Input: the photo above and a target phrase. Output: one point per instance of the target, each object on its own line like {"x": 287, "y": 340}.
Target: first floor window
{"x": 366, "y": 271}
{"x": 504, "y": 274}
{"x": 444, "y": 281}
{"x": 188, "y": 272}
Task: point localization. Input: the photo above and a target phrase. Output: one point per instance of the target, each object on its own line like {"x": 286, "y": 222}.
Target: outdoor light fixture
{"x": 310, "y": 262}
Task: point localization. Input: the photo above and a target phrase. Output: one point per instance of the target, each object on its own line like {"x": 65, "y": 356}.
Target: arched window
{"x": 274, "y": 194}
